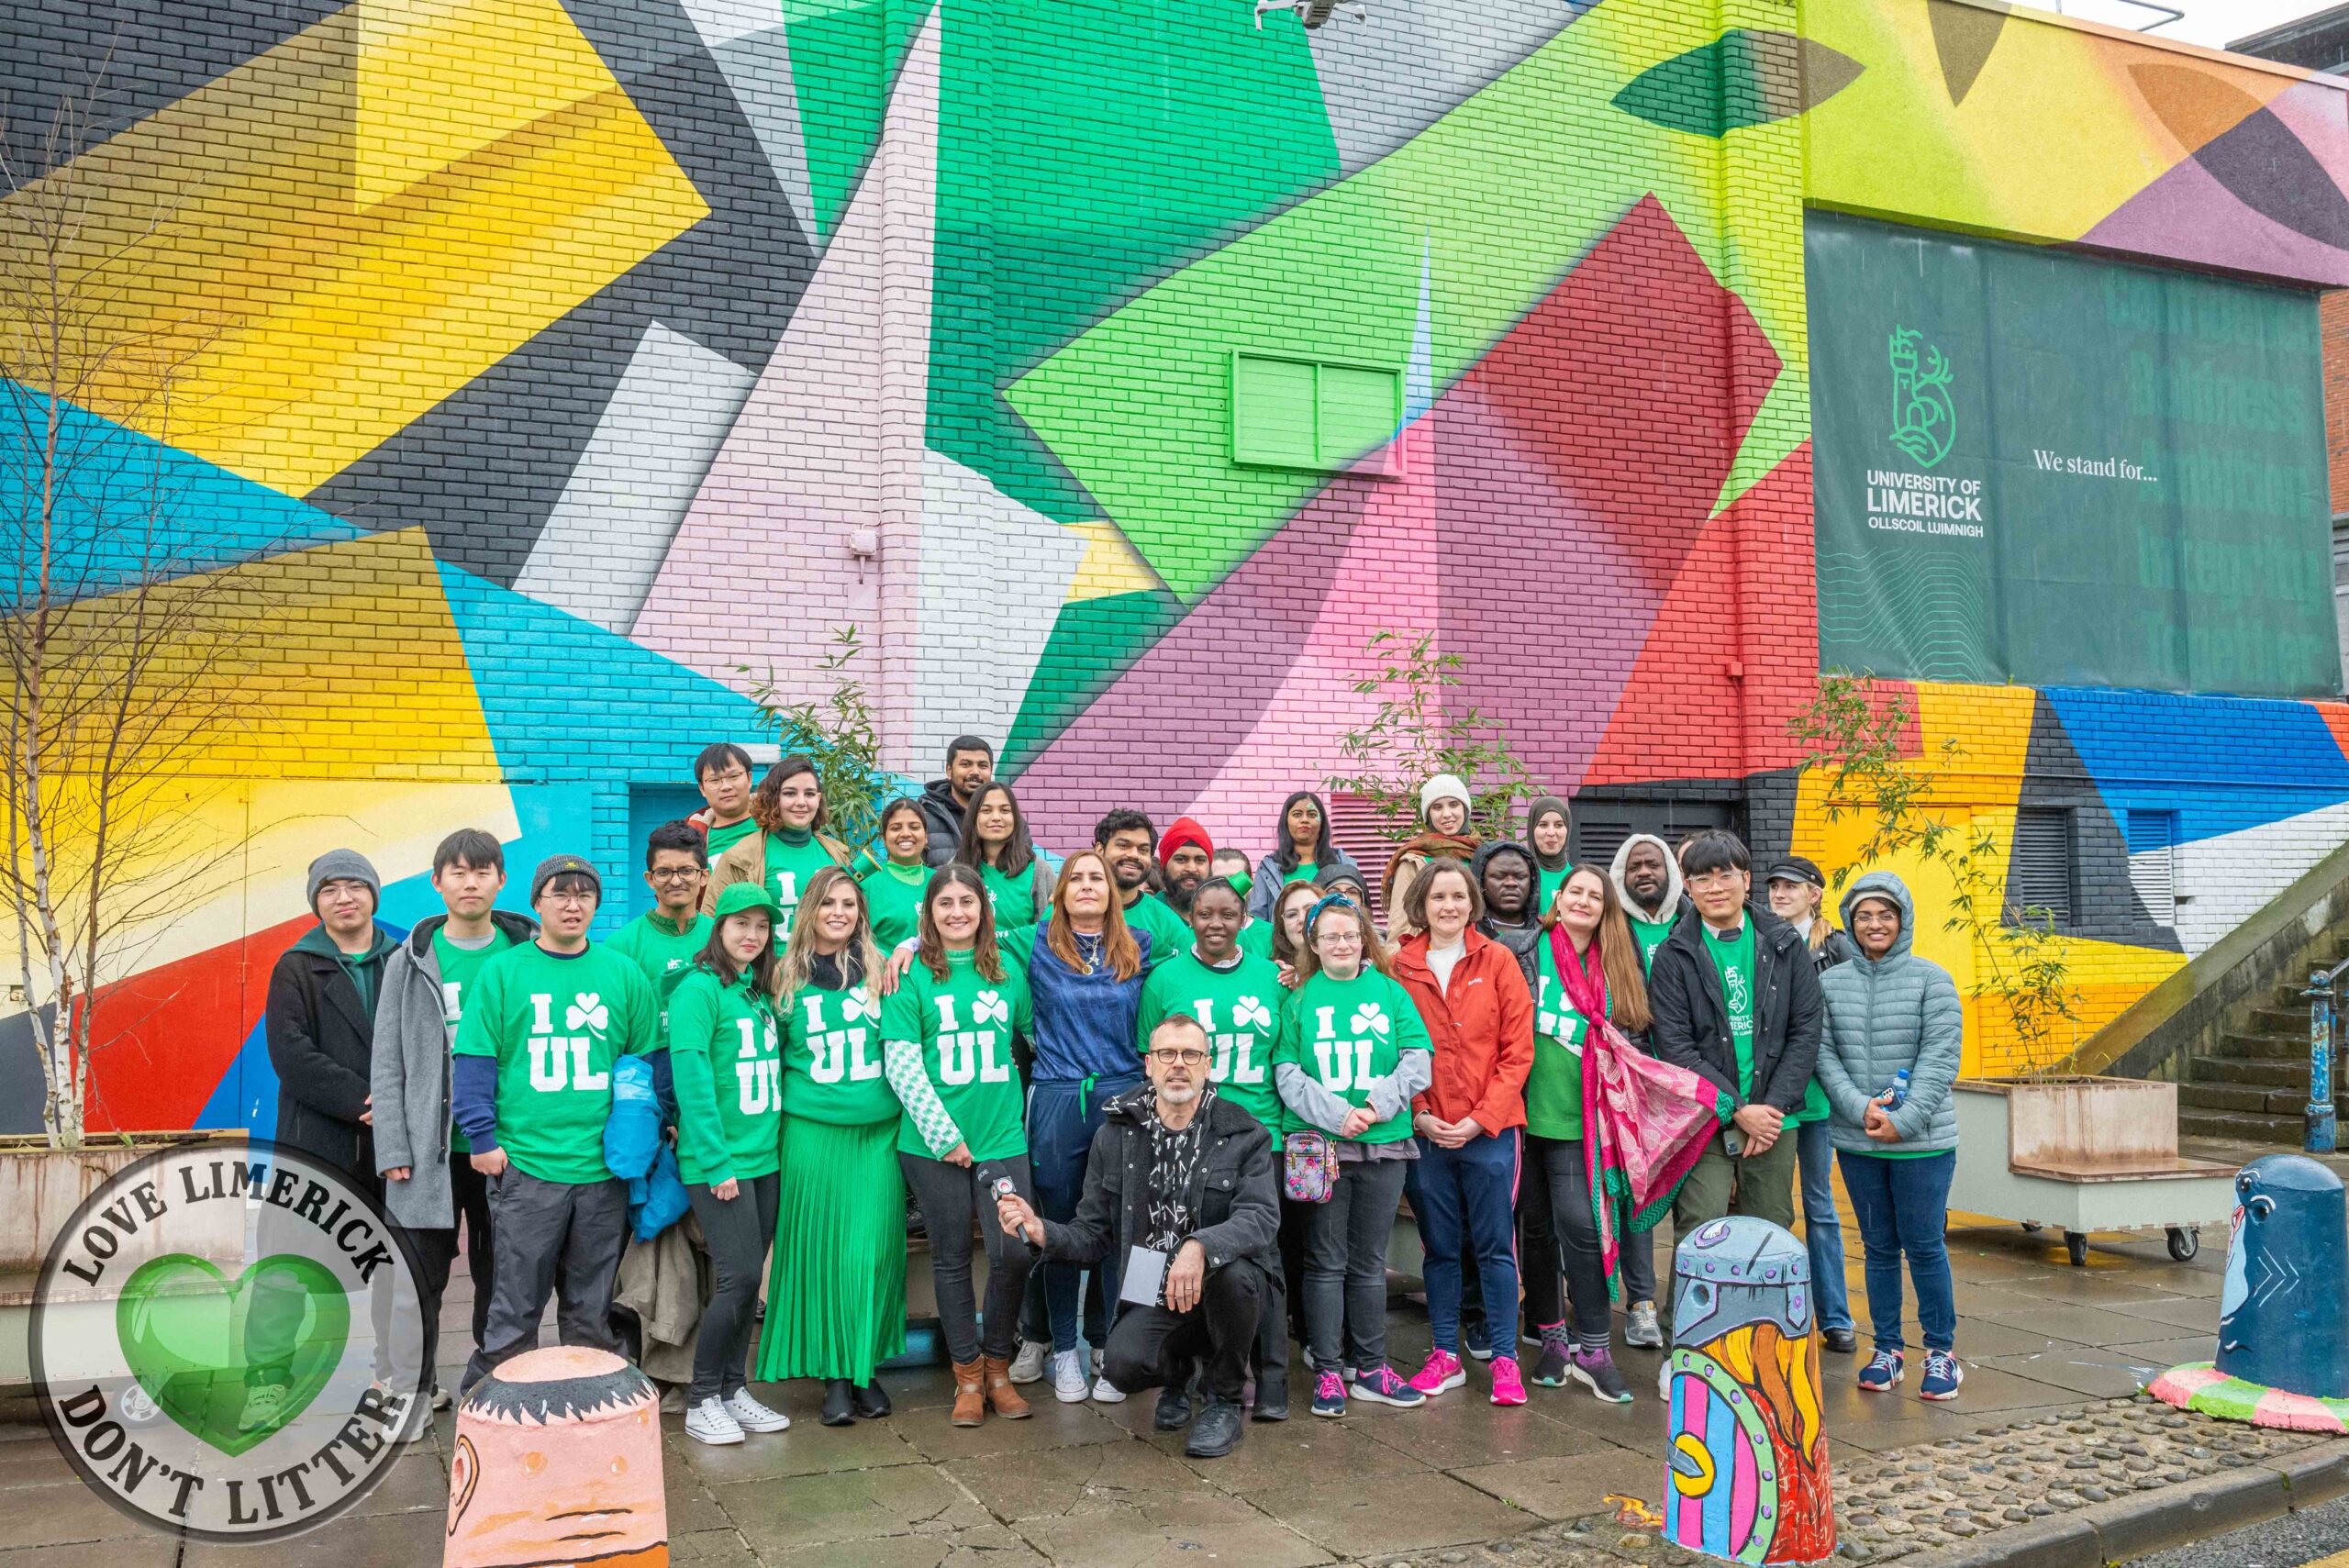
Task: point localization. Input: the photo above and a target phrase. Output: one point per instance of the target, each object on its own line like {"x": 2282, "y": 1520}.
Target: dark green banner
{"x": 2039, "y": 467}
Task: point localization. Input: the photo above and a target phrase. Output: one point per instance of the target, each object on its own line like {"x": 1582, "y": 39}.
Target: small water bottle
{"x": 1899, "y": 1091}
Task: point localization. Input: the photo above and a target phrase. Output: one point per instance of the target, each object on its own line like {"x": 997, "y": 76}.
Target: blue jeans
{"x": 1061, "y": 1119}
{"x": 1822, "y": 1231}
{"x": 1902, "y": 1205}
{"x": 1466, "y": 1205}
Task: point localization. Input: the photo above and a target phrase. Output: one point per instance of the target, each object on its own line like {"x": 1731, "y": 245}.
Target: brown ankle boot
{"x": 970, "y": 1394}
{"x": 1000, "y": 1393}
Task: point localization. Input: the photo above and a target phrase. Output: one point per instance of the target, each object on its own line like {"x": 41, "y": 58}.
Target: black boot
{"x": 839, "y": 1408}
{"x": 1271, "y": 1394}
{"x": 871, "y": 1400}
{"x": 1174, "y": 1409}
{"x": 1216, "y": 1432}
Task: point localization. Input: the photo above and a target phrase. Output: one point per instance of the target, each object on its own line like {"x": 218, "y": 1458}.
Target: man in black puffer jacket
{"x": 1736, "y": 999}
{"x": 1179, "y": 1179}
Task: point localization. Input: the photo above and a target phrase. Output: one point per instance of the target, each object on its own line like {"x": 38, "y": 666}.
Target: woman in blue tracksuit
{"x": 1085, "y": 969}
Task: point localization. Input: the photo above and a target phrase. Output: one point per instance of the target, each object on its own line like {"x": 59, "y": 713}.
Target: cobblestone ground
{"x": 1889, "y": 1505}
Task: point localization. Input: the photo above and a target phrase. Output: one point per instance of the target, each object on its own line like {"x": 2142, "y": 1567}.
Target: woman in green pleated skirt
{"x": 836, "y": 1294}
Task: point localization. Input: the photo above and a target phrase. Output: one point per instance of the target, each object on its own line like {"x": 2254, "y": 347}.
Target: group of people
{"x": 1177, "y": 1100}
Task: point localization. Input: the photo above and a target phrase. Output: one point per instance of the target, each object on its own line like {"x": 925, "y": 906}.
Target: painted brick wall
{"x": 588, "y": 364}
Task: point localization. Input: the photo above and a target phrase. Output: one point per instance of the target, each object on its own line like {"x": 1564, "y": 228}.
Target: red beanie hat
{"x": 1186, "y": 830}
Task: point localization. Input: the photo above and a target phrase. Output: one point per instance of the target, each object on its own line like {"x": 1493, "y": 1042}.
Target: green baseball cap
{"x": 737, "y": 896}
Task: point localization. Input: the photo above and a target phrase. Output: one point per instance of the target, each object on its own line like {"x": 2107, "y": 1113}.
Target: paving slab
{"x": 1087, "y": 1478}
{"x": 1567, "y": 1489}
{"x": 855, "y": 1505}
{"x": 1358, "y": 1516}
{"x": 1175, "y": 1532}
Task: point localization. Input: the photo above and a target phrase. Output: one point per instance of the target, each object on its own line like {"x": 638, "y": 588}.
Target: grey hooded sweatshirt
{"x": 1883, "y": 1015}
{"x": 1649, "y": 933}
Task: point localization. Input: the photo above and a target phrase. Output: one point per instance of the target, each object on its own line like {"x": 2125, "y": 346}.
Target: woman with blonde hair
{"x": 836, "y": 1293}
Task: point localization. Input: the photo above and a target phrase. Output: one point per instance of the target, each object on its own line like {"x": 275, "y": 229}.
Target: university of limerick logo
{"x": 1923, "y": 419}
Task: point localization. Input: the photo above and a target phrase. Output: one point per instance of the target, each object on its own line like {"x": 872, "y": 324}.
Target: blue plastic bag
{"x": 657, "y": 1200}
{"x": 632, "y": 1131}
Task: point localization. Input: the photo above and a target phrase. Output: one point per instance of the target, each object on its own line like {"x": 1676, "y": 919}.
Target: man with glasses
{"x": 1735, "y": 998}
{"x": 544, "y": 1026}
{"x": 666, "y": 938}
{"x": 1179, "y": 1185}
{"x": 723, "y": 772}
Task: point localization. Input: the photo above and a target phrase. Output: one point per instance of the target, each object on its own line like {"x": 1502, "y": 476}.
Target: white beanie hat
{"x": 1443, "y": 786}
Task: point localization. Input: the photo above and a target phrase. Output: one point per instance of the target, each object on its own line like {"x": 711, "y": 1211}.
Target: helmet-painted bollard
{"x": 2284, "y": 1308}
{"x": 558, "y": 1461}
{"x": 1748, "y": 1473}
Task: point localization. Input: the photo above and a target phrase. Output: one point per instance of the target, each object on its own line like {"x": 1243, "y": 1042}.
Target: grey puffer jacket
{"x": 1883, "y": 1015}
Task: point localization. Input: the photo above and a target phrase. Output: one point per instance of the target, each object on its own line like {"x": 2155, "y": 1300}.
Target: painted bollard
{"x": 2283, "y": 1356}
{"x": 1748, "y": 1477}
{"x": 558, "y": 1461}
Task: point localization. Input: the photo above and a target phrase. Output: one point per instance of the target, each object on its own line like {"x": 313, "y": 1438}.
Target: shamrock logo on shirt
{"x": 589, "y": 1010}
{"x": 858, "y": 1004}
{"x": 990, "y": 1007}
{"x": 1249, "y": 1010}
{"x": 1369, "y": 1019}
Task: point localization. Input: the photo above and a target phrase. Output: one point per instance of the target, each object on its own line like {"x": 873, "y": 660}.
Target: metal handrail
{"x": 2320, "y": 1133}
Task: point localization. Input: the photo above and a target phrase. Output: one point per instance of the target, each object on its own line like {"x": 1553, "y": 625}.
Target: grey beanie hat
{"x": 342, "y": 865}
{"x": 561, "y": 865}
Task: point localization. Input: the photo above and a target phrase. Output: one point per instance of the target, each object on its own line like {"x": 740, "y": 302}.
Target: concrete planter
{"x": 2081, "y": 1123}
{"x": 2084, "y": 1154}
{"x": 39, "y": 1186}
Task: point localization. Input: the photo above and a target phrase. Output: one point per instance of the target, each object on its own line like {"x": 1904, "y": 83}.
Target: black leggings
{"x": 738, "y": 1231}
{"x": 1554, "y": 1204}
{"x": 950, "y": 1198}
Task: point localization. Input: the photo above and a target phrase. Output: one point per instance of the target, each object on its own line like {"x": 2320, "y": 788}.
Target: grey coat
{"x": 1883, "y": 1015}
{"x": 410, "y": 1076}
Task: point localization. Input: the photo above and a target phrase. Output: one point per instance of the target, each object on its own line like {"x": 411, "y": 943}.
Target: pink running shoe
{"x": 1441, "y": 1372}
{"x": 1508, "y": 1387}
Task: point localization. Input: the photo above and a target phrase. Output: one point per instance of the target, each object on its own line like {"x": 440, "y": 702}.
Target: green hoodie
{"x": 365, "y": 969}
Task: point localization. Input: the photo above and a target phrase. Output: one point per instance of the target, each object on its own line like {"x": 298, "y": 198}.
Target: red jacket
{"x": 1481, "y": 1029}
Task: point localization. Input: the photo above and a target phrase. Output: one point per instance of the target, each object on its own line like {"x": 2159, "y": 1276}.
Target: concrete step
{"x": 2265, "y": 1047}
{"x": 2250, "y": 1098}
{"x": 2281, "y": 1020}
{"x": 2268, "y": 1073}
{"x": 2239, "y": 1126}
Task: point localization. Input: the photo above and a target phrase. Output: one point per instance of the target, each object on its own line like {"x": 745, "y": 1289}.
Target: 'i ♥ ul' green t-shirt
{"x": 555, "y": 1024}
{"x": 1240, "y": 1007}
{"x": 726, "y": 1063}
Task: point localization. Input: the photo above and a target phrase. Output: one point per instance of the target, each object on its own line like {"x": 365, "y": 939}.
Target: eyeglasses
{"x": 569, "y": 897}
{"x": 1705, "y": 881}
{"x": 1191, "y": 1058}
{"x": 674, "y": 873}
{"x": 1875, "y": 918}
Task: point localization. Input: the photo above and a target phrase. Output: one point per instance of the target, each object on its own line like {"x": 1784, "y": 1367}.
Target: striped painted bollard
{"x": 558, "y": 1461}
{"x": 1747, "y": 1479}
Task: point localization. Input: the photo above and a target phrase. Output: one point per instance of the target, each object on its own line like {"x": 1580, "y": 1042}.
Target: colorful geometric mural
{"x": 574, "y": 367}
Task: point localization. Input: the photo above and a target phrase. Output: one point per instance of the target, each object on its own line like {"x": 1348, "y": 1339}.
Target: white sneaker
{"x": 1028, "y": 1366}
{"x": 1069, "y": 1382}
{"x": 711, "y": 1422}
{"x": 262, "y": 1402}
{"x": 415, "y": 1423}
{"x": 754, "y": 1417}
{"x": 441, "y": 1401}
{"x": 1104, "y": 1391}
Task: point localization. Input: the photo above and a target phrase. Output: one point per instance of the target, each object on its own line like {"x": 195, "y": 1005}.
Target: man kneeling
{"x": 1179, "y": 1188}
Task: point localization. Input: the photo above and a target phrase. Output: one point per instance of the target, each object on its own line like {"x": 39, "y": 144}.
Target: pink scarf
{"x": 1646, "y": 1123}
